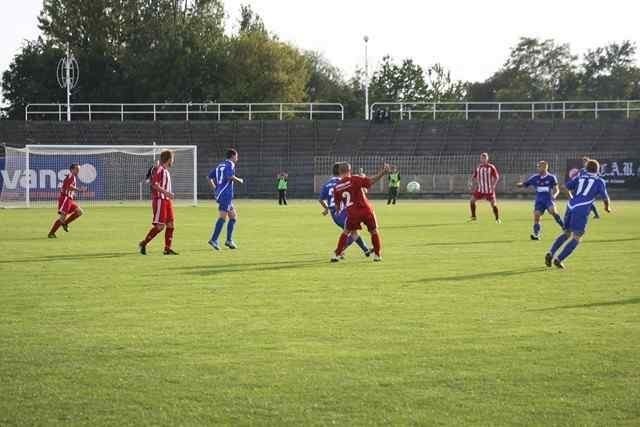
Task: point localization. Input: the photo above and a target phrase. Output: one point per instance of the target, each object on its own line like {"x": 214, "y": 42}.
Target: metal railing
{"x": 184, "y": 111}
{"x": 532, "y": 110}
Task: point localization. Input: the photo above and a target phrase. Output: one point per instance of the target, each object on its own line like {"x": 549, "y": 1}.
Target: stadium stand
{"x": 269, "y": 146}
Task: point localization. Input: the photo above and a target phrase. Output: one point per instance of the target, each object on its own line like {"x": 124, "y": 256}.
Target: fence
{"x": 185, "y": 111}
{"x": 523, "y": 109}
{"x": 450, "y": 174}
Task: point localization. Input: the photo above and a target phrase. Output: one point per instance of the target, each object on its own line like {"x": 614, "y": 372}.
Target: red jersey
{"x": 162, "y": 178}
{"x": 67, "y": 184}
{"x": 350, "y": 194}
{"x": 486, "y": 176}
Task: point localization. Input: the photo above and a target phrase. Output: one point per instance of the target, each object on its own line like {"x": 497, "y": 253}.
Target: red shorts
{"x": 66, "y": 205}
{"x": 356, "y": 218}
{"x": 162, "y": 211}
{"x": 489, "y": 197}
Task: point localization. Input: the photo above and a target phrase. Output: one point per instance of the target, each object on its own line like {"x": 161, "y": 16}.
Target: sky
{"x": 470, "y": 37}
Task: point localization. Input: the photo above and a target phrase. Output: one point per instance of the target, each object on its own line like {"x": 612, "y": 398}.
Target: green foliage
{"x": 178, "y": 51}
{"x": 461, "y": 324}
{"x": 544, "y": 70}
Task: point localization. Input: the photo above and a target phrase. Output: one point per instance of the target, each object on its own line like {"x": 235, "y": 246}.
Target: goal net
{"x": 110, "y": 174}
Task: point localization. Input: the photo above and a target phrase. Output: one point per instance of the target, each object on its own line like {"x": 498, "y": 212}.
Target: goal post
{"x": 110, "y": 174}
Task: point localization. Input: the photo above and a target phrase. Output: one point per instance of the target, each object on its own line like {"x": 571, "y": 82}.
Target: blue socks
{"x": 230, "y": 226}
{"x": 571, "y": 246}
{"x": 558, "y": 243}
{"x": 362, "y": 244}
{"x": 536, "y": 229}
{"x": 558, "y": 219}
{"x": 217, "y": 229}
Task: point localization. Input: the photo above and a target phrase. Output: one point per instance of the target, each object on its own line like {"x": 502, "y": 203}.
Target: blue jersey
{"x": 327, "y": 193}
{"x": 586, "y": 188}
{"x": 544, "y": 185}
{"x": 221, "y": 176}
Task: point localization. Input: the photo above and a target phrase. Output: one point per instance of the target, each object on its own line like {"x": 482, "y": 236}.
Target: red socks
{"x": 377, "y": 243}
{"x": 55, "y": 226}
{"x": 342, "y": 243}
{"x": 168, "y": 238}
{"x": 150, "y": 235}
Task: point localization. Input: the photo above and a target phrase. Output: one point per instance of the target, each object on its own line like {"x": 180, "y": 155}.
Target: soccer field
{"x": 460, "y": 324}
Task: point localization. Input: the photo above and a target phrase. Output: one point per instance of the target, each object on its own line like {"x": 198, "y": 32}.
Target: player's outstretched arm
{"x": 238, "y": 180}
{"x": 377, "y": 177}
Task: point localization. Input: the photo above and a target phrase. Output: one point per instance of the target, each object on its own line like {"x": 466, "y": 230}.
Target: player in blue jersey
{"x": 222, "y": 178}
{"x": 585, "y": 188}
{"x": 339, "y": 218}
{"x": 547, "y": 190}
{"x": 594, "y": 209}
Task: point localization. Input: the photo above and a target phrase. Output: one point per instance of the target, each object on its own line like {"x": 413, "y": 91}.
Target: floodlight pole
{"x": 366, "y": 77}
{"x": 68, "y": 82}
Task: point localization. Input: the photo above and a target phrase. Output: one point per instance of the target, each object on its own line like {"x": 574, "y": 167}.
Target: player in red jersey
{"x": 162, "y": 205}
{"x": 68, "y": 210}
{"x": 483, "y": 183}
{"x": 350, "y": 194}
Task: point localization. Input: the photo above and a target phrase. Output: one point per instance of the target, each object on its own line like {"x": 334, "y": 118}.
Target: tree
{"x": 609, "y": 72}
{"x": 31, "y": 77}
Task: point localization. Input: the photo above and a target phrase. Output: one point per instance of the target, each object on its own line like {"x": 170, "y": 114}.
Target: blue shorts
{"x": 340, "y": 218}
{"x": 576, "y": 220}
{"x": 543, "y": 205}
{"x": 225, "y": 204}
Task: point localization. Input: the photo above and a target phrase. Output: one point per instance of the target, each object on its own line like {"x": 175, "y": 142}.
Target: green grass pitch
{"x": 460, "y": 324}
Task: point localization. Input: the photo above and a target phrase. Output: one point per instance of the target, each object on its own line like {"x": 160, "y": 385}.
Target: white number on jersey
{"x": 347, "y": 199}
{"x": 587, "y": 188}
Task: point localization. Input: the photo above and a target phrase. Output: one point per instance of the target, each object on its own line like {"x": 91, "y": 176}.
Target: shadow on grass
{"x": 70, "y": 257}
{"x": 635, "y": 300}
{"x": 205, "y": 270}
{"x": 626, "y": 239}
{"x": 389, "y": 227}
{"x": 477, "y": 276}
{"x": 462, "y": 244}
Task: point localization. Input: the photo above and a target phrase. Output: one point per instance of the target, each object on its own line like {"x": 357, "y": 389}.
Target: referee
{"x": 394, "y": 185}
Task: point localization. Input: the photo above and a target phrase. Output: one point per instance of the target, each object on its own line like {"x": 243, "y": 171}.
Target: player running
{"x": 585, "y": 188}
{"x": 594, "y": 209}
{"x": 221, "y": 179}
{"x": 350, "y": 195}
{"x": 547, "y": 190}
{"x": 339, "y": 217}
{"x": 161, "y": 204}
{"x": 68, "y": 210}
{"x": 483, "y": 182}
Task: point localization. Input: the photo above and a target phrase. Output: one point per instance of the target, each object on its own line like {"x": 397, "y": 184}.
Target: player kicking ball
{"x": 68, "y": 210}
{"x": 483, "y": 184}
{"x": 221, "y": 179}
{"x": 350, "y": 195}
{"x": 339, "y": 217}
{"x": 547, "y": 191}
{"x": 585, "y": 188}
{"x": 162, "y": 205}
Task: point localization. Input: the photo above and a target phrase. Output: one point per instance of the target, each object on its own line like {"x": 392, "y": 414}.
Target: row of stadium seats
{"x": 268, "y": 147}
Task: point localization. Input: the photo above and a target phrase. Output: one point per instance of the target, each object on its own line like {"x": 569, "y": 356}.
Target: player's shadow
{"x": 206, "y": 270}
{"x": 389, "y": 227}
{"x": 624, "y": 239}
{"x": 68, "y": 257}
{"x": 477, "y": 276}
{"x": 635, "y": 300}
{"x": 462, "y": 244}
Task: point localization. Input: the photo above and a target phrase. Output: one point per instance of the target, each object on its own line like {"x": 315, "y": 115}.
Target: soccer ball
{"x": 413, "y": 187}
